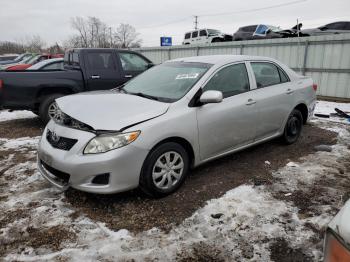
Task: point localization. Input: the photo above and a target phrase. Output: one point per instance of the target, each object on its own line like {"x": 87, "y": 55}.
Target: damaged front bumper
{"x": 73, "y": 168}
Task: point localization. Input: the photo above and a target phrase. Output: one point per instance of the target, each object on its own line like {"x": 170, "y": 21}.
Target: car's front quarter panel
{"x": 178, "y": 122}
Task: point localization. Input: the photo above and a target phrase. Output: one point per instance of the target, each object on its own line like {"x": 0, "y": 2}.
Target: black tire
{"x": 44, "y": 106}
{"x": 147, "y": 184}
{"x": 293, "y": 127}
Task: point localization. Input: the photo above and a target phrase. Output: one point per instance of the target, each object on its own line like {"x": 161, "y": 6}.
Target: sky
{"x": 155, "y": 18}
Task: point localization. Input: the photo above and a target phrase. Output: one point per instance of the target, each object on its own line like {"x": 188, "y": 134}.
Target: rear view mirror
{"x": 211, "y": 96}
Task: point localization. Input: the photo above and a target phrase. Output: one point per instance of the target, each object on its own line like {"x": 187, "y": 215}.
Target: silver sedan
{"x": 173, "y": 117}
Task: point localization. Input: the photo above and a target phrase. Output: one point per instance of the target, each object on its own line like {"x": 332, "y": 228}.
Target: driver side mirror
{"x": 149, "y": 65}
{"x": 211, "y": 96}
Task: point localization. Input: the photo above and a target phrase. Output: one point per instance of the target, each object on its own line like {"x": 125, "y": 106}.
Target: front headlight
{"x": 107, "y": 142}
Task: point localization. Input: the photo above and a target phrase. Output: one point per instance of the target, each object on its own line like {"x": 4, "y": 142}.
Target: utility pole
{"x": 196, "y": 22}
{"x": 110, "y": 35}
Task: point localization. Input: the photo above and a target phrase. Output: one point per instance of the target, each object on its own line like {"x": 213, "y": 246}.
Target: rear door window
{"x": 335, "y": 26}
{"x": 346, "y": 25}
{"x": 267, "y": 74}
{"x": 101, "y": 61}
{"x": 203, "y": 33}
{"x": 250, "y": 28}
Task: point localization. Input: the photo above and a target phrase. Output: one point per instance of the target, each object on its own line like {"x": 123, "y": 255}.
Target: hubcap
{"x": 54, "y": 112}
{"x": 293, "y": 126}
{"x": 167, "y": 170}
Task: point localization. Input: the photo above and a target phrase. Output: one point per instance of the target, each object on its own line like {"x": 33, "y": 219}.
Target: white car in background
{"x": 48, "y": 64}
{"x": 337, "y": 243}
{"x": 205, "y": 36}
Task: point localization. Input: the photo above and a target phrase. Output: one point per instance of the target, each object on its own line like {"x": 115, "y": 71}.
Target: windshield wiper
{"x": 145, "y": 96}
{"x": 120, "y": 88}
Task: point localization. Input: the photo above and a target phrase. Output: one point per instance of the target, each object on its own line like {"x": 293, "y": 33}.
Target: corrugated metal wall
{"x": 325, "y": 58}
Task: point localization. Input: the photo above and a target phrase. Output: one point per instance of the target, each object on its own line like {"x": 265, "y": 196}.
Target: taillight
{"x": 335, "y": 251}
{"x": 1, "y": 84}
{"x": 314, "y": 87}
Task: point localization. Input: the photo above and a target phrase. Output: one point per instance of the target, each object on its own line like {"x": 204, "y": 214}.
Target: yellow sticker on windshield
{"x": 187, "y": 76}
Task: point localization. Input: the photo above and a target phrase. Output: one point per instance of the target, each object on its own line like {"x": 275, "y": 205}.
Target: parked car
{"x": 25, "y": 60}
{"x": 337, "y": 241}
{"x": 261, "y": 31}
{"x": 7, "y": 57}
{"x": 205, "y": 36}
{"x": 175, "y": 116}
{"x": 85, "y": 70}
{"x": 332, "y": 28}
{"x": 32, "y": 61}
{"x": 49, "y": 64}
{"x": 16, "y": 60}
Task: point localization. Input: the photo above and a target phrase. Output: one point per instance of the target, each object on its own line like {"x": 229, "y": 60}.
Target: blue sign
{"x": 165, "y": 41}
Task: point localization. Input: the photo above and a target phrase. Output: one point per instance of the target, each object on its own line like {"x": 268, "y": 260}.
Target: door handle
{"x": 250, "y": 102}
{"x": 289, "y": 91}
{"x": 95, "y": 77}
{"x": 128, "y": 76}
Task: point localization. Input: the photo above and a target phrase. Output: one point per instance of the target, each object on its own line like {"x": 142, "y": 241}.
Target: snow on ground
{"x": 325, "y": 107}
{"x": 6, "y": 115}
{"x": 246, "y": 217}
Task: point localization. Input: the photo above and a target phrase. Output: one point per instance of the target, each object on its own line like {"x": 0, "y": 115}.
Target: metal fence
{"x": 325, "y": 58}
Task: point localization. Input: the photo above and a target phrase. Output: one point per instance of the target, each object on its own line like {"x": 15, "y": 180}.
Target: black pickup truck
{"x": 84, "y": 70}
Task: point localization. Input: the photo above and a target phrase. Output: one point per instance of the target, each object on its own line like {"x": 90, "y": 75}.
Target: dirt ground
{"x": 136, "y": 212}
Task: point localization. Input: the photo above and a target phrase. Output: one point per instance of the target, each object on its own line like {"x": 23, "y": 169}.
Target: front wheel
{"x": 164, "y": 170}
{"x": 48, "y": 108}
{"x": 293, "y": 127}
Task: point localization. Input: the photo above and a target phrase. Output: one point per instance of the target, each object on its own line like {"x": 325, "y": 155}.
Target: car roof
{"x": 201, "y": 30}
{"x": 220, "y": 59}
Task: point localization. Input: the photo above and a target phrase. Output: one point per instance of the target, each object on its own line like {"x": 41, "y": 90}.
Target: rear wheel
{"x": 293, "y": 127}
{"x": 48, "y": 108}
{"x": 164, "y": 170}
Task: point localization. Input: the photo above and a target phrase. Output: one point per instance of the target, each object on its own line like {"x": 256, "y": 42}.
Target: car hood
{"x": 340, "y": 223}
{"x": 110, "y": 110}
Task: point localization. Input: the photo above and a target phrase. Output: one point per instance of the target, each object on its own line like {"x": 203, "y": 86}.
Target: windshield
{"x": 19, "y": 58}
{"x": 213, "y": 32}
{"x": 33, "y": 59}
{"x": 43, "y": 63}
{"x": 167, "y": 82}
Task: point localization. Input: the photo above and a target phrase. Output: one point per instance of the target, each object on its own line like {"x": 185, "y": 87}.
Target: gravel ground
{"x": 137, "y": 213}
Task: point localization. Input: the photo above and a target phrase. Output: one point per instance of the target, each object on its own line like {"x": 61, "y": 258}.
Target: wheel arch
{"x": 181, "y": 141}
{"x": 46, "y": 91}
{"x": 303, "y": 110}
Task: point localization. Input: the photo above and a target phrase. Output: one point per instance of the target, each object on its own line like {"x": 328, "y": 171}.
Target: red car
{"x": 33, "y": 61}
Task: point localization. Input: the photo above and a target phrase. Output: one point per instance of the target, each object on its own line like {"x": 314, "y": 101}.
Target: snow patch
{"x": 6, "y": 115}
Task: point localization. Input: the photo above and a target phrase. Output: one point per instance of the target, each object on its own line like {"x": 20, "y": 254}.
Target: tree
{"x": 55, "y": 49}
{"x": 7, "y": 47}
{"x": 93, "y": 33}
{"x": 34, "y": 44}
{"x": 126, "y": 36}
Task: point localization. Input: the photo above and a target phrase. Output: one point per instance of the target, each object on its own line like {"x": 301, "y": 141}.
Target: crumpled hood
{"x": 110, "y": 110}
{"x": 340, "y": 223}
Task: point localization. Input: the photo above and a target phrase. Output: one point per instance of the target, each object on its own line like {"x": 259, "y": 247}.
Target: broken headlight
{"x": 63, "y": 119}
